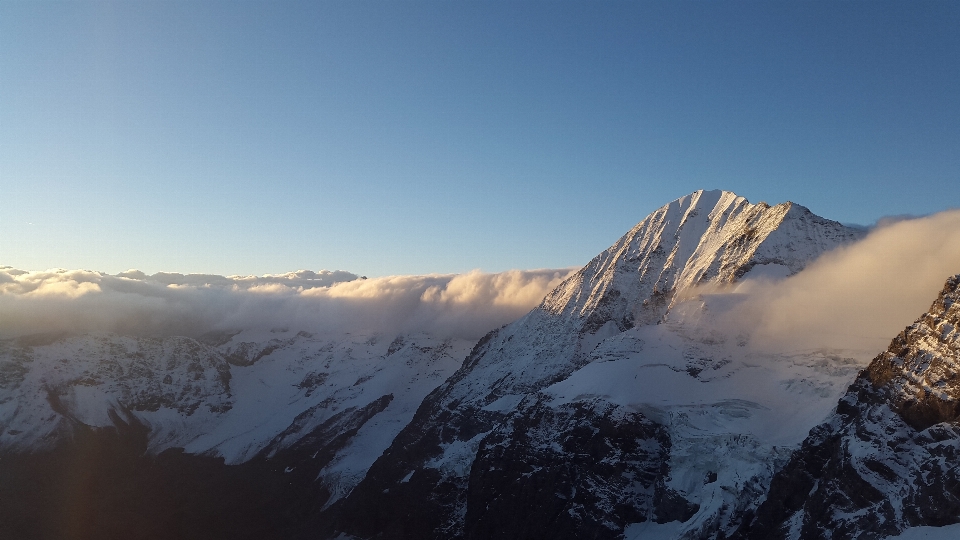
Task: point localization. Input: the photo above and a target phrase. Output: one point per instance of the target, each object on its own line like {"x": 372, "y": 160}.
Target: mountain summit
{"x": 422, "y": 485}
{"x": 706, "y": 237}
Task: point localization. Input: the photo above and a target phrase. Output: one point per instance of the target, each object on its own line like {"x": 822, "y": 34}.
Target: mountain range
{"x": 635, "y": 401}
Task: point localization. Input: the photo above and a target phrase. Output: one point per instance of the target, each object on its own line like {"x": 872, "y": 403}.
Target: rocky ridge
{"x": 889, "y": 458}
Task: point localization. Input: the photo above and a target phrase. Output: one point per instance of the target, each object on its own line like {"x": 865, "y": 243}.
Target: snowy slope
{"x": 948, "y": 532}
{"x": 732, "y": 415}
{"x": 704, "y": 238}
{"x": 251, "y": 393}
{"x": 591, "y": 342}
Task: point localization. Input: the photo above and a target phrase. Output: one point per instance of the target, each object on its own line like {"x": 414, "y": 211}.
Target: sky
{"x": 408, "y": 137}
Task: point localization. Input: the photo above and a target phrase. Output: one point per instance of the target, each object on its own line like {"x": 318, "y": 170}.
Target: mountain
{"x": 889, "y": 458}
{"x": 626, "y": 405}
{"x": 542, "y": 411}
{"x": 291, "y": 407}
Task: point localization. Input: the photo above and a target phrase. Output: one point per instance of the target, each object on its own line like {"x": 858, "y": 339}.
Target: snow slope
{"x": 250, "y": 393}
{"x": 948, "y": 532}
{"x": 732, "y": 414}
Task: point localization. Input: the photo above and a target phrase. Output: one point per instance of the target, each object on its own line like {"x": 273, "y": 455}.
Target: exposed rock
{"x": 581, "y": 470}
{"x": 889, "y": 458}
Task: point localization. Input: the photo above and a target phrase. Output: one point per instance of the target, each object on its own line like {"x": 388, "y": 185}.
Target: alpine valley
{"x": 625, "y": 405}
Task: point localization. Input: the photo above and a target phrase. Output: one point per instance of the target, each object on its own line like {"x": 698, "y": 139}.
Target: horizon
{"x": 844, "y": 296}
{"x": 174, "y": 277}
{"x": 425, "y": 137}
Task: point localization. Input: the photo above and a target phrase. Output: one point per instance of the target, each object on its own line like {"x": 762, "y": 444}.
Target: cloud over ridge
{"x": 858, "y": 296}
{"x": 463, "y": 305}
{"x": 855, "y": 297}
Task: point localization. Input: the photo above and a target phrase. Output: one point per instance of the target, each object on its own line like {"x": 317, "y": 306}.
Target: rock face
{"x": 889, "y": 458}
{"x": 580, "y": 470}
{"x": 423, "y": 485}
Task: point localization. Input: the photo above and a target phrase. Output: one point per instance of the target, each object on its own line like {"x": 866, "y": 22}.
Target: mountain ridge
{"x": 706, "y": 237}
{"x": 616, "y": 408}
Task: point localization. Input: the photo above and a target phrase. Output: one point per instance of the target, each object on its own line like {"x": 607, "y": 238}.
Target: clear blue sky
{"x": 414, "y": 137}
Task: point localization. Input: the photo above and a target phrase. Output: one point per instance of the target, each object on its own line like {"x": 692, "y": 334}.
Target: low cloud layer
{"x": 466, "y": 305}
{"x": 856, "y": 297}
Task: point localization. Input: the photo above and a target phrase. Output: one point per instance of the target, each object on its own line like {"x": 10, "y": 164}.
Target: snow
{"x": 409, "y": 387}
{"x": 589, "y": 342}
{"x": 730, "y": 410}
{"x": 775, "y": 398}
{"x": 948, "y": 532}
{"x": 505, "y": 403}
{"x": 95, "y": 373}
{"x": 649, "y": 530}
{"x": 457, "y": 457}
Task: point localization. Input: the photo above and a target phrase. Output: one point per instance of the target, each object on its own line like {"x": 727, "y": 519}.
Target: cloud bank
{"x": 856, "y": 297}
{"x": 465, "y": 305}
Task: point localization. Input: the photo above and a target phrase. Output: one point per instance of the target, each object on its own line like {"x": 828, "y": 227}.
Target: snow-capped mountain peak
{"x": 501, "y": 391}
{"x": 706, "y": 237}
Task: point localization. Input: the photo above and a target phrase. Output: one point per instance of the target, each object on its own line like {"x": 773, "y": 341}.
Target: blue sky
{"x": 414, "y": 137}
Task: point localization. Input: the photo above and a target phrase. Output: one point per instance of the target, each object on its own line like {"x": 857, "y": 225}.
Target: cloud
{"x": 465, "y": 305}
{"x": 856, "y": 297}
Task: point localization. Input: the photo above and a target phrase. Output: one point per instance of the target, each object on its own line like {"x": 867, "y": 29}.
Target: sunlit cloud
{"x": 857, "y": 297}
{"x": 465, "y": 305}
